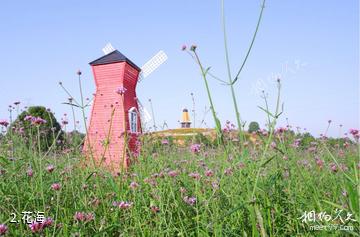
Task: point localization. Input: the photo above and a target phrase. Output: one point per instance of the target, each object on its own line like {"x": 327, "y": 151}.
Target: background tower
{"x": 185, "y": 119}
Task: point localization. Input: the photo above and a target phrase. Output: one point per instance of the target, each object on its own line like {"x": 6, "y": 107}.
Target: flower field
{"x": 196, "y": 190}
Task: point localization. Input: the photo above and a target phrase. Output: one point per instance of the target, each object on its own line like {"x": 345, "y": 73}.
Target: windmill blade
{"x": 152, "y": 64}
{"x": 144, "y": 114}
{"x": 108, "y": 49}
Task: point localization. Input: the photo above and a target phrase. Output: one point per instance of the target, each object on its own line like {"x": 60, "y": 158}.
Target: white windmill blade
{"x": 108, "y": 49}
{"x": 144, "y": 114}
{"x": 152, "y": 64}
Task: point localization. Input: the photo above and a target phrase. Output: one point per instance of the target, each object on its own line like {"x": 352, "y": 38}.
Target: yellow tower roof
{"x": 185, "y": 116}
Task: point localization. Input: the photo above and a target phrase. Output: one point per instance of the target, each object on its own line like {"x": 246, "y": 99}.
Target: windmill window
{"x": 133, "y": 120}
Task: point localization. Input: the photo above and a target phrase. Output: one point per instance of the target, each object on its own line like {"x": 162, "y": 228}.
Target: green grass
{"x": 285, "y": 189}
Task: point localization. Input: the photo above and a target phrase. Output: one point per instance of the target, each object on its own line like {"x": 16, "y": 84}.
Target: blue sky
{"x": 312, "y": 45}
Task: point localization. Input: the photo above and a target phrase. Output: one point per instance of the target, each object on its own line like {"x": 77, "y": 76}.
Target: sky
{"x": 313, "y": 46}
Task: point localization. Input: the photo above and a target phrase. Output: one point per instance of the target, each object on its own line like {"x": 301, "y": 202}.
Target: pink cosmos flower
{"x": 154, "y": 209}
{"x": 215, "y": 185}
{"x": 125, "y": 205}
{"x": 173, "y": 173}
{"x": 38, "y": 121}
{"x": 121, "y": 90}
{"x": 80, "y": 216}
{"x": 195, "y": 148}
{"x": 228, "y": 171}
{"x": 280, "y": 130}
{"x": 319, "y": 162}
{"x": 195, "y": 176}
{"x": 50, "y": 168}
{"x": 48, "y": 222}
{"x": 56, "y": 186}
{"x": 133, "y": 185}
{"x": 28, "y": 118}
{"x": 190, "y": 200}
{"x": 4, "y": 123}
{"x": 36, "y": 227}
{"x": 89, "y": 216}
{"x": 30, "y": 172}
{"x": 209, "y": 173}
{"x": 355, "y": 133}
{"x": 3, "y": 229}
{"x": 333, "y": 167}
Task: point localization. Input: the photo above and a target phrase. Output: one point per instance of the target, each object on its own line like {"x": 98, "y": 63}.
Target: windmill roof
{"x": 113, "y": 57}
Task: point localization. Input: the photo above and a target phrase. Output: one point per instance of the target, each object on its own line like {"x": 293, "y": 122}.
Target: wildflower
{"x": 30, "y": 172}
{"x": 36, "y": 227}
{"x": 79, "y": 216}
{"x": 183, "y": 190}
{"x": 241, "y": 165}
{"x": 124, "y": 205}
{"x": 195, "y": 176}
{"x": 183, "y": 48}
{"x": 319, "y": 162}
{"x": 195, "y": 148}
{"x": 56, "y": 186}
{"x": 173, "y": 173}
{"x": 193, "y": 47}
{"x": 333, "y": 167}
{"x": 165, "y": 142}
{"x": 215, "y": 185}
{"x": 38, "y": 121}
{"x": 154, "y": 209}
{"x": 28, "y": 118}
{"x": 48, "y": 222}
{"x": 190, "y": 200}
{"x": 50, "y": 168}
{"x": 355, "y": 133}
{"x": 280, "y": 130}
{"x": 133, "y": 185}
{"x": 89, "y": 216}
{"x": 273, "y": 145}
{"x": 121, "y": 90}
{"x": 296, "y": 143}
{"x": 209, "y": 173}
{"x": 228, "y": 171}
{"x": 150, "y": 181}
{"x": 4, "y": 123}
{"x": 3, "y": 229}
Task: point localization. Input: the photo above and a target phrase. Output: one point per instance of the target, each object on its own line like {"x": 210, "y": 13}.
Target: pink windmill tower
{"x": 116, "y": 114}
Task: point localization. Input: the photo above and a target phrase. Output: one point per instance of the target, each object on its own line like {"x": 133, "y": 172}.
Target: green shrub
{"x": 254, "y": 127}
{"x": 27, "y": 128}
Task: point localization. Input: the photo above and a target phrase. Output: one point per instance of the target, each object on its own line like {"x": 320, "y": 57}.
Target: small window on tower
{"x": 133, "y": 120}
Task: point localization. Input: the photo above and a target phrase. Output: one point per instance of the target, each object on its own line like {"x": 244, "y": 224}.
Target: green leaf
{"x": 266, "y": 111}
{"x": 67, "y": 103}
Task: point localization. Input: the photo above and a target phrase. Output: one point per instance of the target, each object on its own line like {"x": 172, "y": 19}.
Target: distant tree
{"x": 254, "y": 127}
{"x": 306, "y": 139}
{"x": 38, "y": 118}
